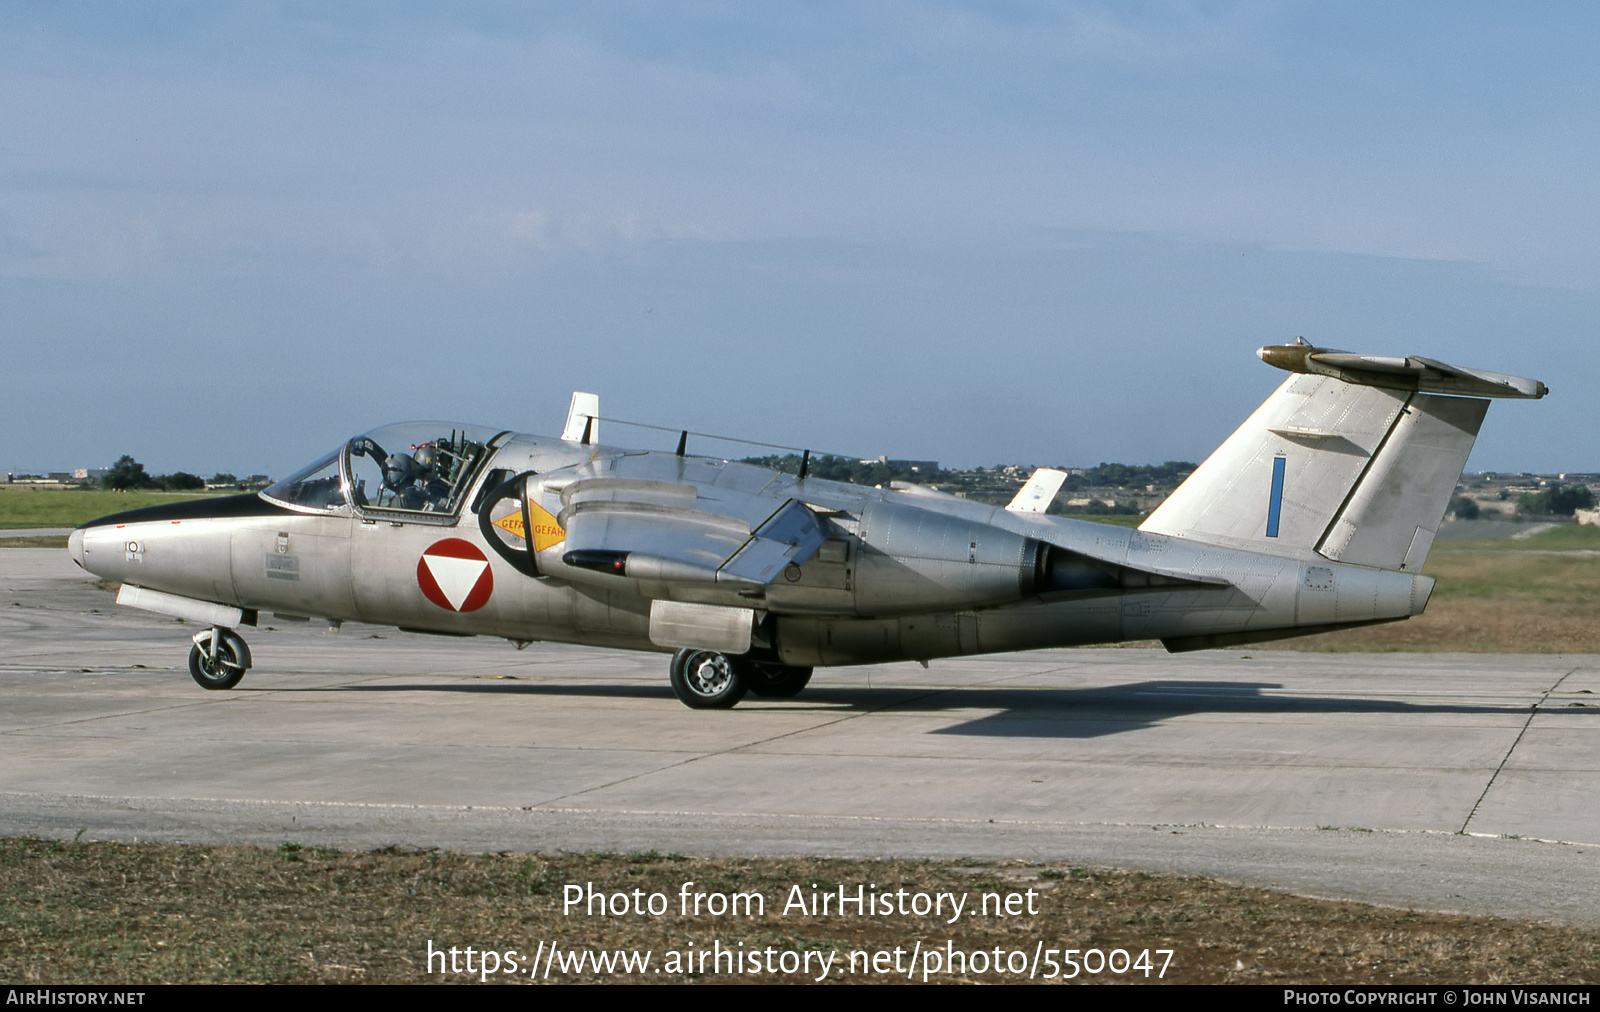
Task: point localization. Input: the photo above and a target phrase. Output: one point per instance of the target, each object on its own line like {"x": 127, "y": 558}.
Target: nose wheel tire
{"x": 221, "y": 667}
{"x": 708, "y": 680}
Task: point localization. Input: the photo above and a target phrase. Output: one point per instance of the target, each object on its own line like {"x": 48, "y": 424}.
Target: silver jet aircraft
{"x": 1317, "y": 514}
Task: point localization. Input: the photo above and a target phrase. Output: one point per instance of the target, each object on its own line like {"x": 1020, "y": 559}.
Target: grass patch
{"x": 1537, "y": 594}
{"x": 58, "y": 507}
{"x": 168, "y": 913}
{"x": 1562, "y": 537}
{"x": 41, "y": 541}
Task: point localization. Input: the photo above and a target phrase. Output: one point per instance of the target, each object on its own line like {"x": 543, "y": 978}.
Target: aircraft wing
{"x": 690, "y": 525}
{"x": 670, "y": 531}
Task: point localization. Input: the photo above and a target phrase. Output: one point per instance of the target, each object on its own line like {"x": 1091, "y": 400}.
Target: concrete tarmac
{"x": 1438, "y": 781}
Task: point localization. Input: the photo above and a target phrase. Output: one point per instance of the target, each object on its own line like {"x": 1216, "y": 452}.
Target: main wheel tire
{"x": 708, "y": 680}
{"x": 225, "y": 671}
{"x": 778, "y": 681}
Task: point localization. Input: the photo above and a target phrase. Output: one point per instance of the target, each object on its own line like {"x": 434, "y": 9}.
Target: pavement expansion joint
{"x": 1533, "y": 711}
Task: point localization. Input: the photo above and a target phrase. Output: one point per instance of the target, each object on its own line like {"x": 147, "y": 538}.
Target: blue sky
{"x": 231, "y": 235}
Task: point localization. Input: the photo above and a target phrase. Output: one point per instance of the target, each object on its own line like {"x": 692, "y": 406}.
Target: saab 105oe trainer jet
{"x": 1317, "y": 514}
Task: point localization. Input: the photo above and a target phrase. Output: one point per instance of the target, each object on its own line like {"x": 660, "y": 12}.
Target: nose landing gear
{"x": 218, "y": 658}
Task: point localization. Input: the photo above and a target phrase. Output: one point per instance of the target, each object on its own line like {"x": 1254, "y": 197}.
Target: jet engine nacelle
{"x": 913, "y": 560}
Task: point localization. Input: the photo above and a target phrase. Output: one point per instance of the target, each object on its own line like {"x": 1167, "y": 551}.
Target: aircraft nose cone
{"x": 75, "y": 547}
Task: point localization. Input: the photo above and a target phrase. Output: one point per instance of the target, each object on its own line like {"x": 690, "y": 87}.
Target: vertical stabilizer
{"x": 1278, "y": 482}
{"x": 1394, "y": 512}
{"x": 1357, "y": 467}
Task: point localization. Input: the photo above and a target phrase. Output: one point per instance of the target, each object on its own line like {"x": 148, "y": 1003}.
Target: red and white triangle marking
{"x": 455, "y": 575}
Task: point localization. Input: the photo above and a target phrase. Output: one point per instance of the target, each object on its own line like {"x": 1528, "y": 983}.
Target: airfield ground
{"x": 34, "y": 506}
{"x": 168, "y": 913}
{"x": 1435, "y": 782}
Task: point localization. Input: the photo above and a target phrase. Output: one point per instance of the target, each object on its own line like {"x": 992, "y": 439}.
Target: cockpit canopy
{"x": 410, "y": 469}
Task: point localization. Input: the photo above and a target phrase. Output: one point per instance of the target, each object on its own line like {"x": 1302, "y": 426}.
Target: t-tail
{"x": 1353, "y": 459}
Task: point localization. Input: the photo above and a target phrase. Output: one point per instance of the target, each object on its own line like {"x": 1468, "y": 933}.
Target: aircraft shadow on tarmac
{"x": 1023, "y": 712}
{"x": 1094, "y": 713}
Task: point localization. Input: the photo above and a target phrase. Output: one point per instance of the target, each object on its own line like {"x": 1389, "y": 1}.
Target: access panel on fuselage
{"x": 298, "y": 565}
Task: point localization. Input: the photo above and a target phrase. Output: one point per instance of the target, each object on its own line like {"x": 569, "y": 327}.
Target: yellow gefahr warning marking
{"x": 512, "y": 524}
{"x": 546, "y": 531}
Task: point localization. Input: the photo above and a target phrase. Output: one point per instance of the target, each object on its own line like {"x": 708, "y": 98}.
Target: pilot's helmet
{"x": 427, "y": 457}
{"x": 400, "y": 469}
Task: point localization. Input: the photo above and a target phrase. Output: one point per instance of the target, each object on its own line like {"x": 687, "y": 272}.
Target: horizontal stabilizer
{"x": 1400, "y": 372}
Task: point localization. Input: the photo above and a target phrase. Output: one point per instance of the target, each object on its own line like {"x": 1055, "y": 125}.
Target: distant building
{"x": 904, "y": 465}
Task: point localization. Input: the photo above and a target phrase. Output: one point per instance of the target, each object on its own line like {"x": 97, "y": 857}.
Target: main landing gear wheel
{"x": 778, "y": 680}
{"x": 708, "y": 680}
{"x": 218, "y": 659}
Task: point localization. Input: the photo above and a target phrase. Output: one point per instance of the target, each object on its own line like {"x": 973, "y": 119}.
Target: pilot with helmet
{"x": 415, "y": 479}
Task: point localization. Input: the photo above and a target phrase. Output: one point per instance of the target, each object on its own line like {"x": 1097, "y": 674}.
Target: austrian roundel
{"x": 455, "y": 575}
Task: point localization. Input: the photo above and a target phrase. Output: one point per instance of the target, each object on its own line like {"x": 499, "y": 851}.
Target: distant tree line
{"x": 880, "y": 472}
{"x": 128, "y": 474}
{"x": 856, "y": 472}
{"x": 1097, "y": 508}
{"x": 1122, "y": 475}
{"x": 1557, "y": 501}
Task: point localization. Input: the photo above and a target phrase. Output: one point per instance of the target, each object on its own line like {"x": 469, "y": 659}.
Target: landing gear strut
{"x": 218, "y": 658}
{"x": 708, "y": 680}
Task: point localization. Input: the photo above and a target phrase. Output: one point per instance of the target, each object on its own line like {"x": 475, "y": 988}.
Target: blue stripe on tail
{"x": 1275, "y": 507}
